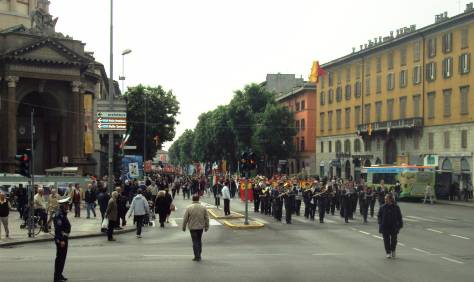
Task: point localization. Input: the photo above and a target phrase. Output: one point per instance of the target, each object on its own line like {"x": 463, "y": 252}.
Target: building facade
{"x": 403, "y": 98}
{"x": 302, "y": 102}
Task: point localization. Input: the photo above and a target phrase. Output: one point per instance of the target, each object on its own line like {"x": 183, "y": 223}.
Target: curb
{"x": 116, "y": 232}
{"x": 232, "y": 216}
{"x": 252, "y": 225}
{"x": 457, "y": 204}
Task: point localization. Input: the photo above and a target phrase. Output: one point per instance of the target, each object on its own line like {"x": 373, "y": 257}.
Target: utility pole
{"x": 31, "y": 191}
{"x": 110, "y": 151}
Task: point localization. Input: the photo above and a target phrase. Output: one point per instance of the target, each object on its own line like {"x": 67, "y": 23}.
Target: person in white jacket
{"x": 139, "y": 208}
{"x": 226, "y": 197}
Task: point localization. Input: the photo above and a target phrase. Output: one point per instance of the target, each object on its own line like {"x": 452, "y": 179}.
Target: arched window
{"x": 338, "y": 146}
{"x": 357, "y": 146}
{"x": 465, "y": 165}
{"x": 347, "y": 146}
{"x": 447, "y": 165}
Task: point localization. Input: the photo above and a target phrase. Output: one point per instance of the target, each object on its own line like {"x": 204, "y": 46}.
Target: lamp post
{"x": 110, "y": 150}
{"x": 122, "y": 78}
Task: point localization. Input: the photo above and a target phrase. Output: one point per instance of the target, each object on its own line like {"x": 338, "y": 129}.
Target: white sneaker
{"x": 139, "y": 236}
{"x": 389, "y": 256}
{"x": 393, "y": 254}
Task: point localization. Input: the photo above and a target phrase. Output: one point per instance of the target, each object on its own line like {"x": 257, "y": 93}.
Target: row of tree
{"x": 252, "y": 120}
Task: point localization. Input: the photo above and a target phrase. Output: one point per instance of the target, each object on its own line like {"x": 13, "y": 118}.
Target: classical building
{"x": 51, "y": 75}
{"x": 403, "y": 98}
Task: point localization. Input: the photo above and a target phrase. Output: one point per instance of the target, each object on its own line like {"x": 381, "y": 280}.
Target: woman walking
{"x": 162, "y": 206}
{"x": 4, "y": 212}
{"x": 112, "y": 215}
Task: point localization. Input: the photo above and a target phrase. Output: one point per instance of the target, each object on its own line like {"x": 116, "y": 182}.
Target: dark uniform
{"x": 346, "y": 208}
{"x": 322, "y": 205}
{"x": 307, "y": 203}
{"x": 257, "y": 191}
{"x": 289, "y": 199}
{"x": 62, "y": 228}
{"x": 372, "y": 200}
{"x": 364, "y": 203}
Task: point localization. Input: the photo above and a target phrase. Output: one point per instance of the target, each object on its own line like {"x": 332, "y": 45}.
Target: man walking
{"x": 139, "y": 208}
{"x": 197, "y": 220}
{"x": 90, "y": 198}
{"x": 112, "y": 215}
{"x": 62, "y": 228}
{"x": 226, "y": 197}
{"x": 428, "y": 194}
{"x": 390, "y": 223}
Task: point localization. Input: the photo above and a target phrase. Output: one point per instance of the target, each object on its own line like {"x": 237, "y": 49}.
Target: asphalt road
{"x": 436, "y": 245}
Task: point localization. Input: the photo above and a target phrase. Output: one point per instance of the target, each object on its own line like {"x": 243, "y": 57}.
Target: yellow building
{"x": 399, "y": 99}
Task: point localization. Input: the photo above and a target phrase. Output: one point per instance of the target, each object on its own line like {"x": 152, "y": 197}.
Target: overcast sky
{"x": 204, "y": 50}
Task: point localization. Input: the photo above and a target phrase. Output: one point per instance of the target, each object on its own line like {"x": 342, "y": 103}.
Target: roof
{"x": 306, "y": 86}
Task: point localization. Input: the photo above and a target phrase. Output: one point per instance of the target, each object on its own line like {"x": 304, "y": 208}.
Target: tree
{"x": 161, "y": 108}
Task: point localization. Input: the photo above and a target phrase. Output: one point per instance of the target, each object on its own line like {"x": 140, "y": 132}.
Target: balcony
{"x": 387, "y": 126}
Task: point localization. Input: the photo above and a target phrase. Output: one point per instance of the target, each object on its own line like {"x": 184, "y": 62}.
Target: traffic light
{"x": 252, "y": 162}
{"x": 248, "y": 161}
{"x": 243, "y": 161}
{"x": 25, "y": 161}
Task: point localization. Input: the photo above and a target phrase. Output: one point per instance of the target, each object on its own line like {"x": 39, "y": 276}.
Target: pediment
{"x": 47, "y": 51}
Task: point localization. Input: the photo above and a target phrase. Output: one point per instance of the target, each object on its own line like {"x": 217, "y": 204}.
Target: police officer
{"x": 62, "y": 228}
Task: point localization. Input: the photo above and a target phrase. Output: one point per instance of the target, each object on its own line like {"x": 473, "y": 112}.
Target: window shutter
{"x": 460, "y": 65}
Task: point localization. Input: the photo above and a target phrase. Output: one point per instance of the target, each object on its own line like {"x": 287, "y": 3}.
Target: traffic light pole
{"x": 247, "y": 176}
{"x": 31, "y": 191}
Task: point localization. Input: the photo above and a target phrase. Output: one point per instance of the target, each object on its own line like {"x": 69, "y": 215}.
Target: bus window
{"x": 389, "y": 178}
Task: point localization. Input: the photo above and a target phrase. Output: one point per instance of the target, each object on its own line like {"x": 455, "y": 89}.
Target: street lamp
{"x": 122, "y": 78}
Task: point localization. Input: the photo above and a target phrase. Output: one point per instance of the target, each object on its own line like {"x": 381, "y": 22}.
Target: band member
{"x": 364, "y": 203}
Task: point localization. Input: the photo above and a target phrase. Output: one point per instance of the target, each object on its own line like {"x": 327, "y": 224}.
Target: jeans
{"x": 110, "y": 229}
{"x": 89, "y": 207}
{"x": 196, "y": 236}
{"x": 4, "y": 222}
{"x": 390, "y": 241}
{"x": 227, "y": 206}
{"x": 139, "y": 220}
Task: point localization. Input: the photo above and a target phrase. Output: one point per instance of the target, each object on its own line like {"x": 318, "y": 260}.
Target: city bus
{"x": 413, "y": 179}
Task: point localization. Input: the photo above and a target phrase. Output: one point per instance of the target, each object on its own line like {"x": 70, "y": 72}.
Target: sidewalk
{"x": 469, "y": 204}
{"x": 80, "y": 228}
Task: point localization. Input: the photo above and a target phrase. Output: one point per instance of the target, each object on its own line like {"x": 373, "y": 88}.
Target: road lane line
{"x": 410, "y": 220}
{"x": 363, "y": 232}
{"x": 378, "y": 237}
{"x": 452, "y": 260}
{"x": 457, "y": 236}
{"x": 422, "y": 251}
{"x": 329, "y": 221}
{"x": 214, "y": 222}
{"x": 166, "y": 255}
{"x": 353, "y": 229}
{"x": 401, "y": 244}
{"x": 434, "y": 230}
{"x": 327, "y": 254}
{"x": 421, "y": 218}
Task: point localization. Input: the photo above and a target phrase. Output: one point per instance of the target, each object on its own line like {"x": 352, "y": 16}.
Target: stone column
{"x": 75, "y": 126}
{"x": 11, "y": 121}
{"x": 31, "y": 6}
{"x": 13, "y": 7}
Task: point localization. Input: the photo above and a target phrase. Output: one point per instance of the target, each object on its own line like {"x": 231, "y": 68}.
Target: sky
{"x": 205, "y": 50}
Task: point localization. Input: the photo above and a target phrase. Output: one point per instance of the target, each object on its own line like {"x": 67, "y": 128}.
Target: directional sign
{"x": 122, "y": 115}
{"x": 104, "y": 126}
{"x": 112, "y": 120}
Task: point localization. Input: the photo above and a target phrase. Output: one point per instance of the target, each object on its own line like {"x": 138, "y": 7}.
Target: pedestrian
{"x": 196, "y": 220}
{"x": 62, "y": 229}
{"x": 76, "y": 200}
{"x": 4, "y": 212}
{"x": 53, "y": 206}
{"x": 39, "y": 206}
{"x": 226, "y": 198}
{"x": 162, "y": 206}
{"x": 428, "y": 194}
{"x": 22, "y": 200}
{"x": 103, "y": 200}
{"x": 217, "y": 191}
{"x": 122, "y": 207}
{"x": 390, "y": 222}
{"x": 112, "y": 215}
{"x": 140, "y": 209}
{"x": 90, "y": 198}
{"x": 364, "y": 202}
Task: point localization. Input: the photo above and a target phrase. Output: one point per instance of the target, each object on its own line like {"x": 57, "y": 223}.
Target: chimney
{"x": 391, "y": 34}
{"x": 398, "y": 32}
{"x": 361, "y": 47}
{"x": 376, "y": 40}
{"x": 413, "y": 28}
{"x": 353, "y": 49}
{"x": 469, "y": 7}
{"x": 380, "y": 39}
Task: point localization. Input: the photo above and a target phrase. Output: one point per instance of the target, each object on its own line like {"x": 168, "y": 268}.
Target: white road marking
{"x": 261, "y": 221}
{"x": 410, "y": 220}
{"x": 363, "y": 232}
{"x": 401, "y": 244}
{"x": 330, "y": 221}
{"x": 270, "y": 254}
{"x": 452, "y": 260}
{"x": 173, "y": 222}
{"x": 214, "y": 222}
{"x": 167, "y": 255}
{"x": 422, "y": 251}
{"x": 327, "y": 254}
{"x": 434, "y": 230}
{"x": 378, "y": 237}
{"x": 457, "y": 236}
{"x": 421, "y": 218}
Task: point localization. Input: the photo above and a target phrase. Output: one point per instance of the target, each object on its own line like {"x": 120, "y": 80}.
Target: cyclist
{"x": 40, "y": 208}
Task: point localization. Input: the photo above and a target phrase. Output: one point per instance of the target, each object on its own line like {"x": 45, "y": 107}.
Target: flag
{"x": 316, "y": 72}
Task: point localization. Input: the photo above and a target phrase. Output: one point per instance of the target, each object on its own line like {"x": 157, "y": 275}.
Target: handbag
{"x": 172, "y": 207}
{"x": 105, "y": 223}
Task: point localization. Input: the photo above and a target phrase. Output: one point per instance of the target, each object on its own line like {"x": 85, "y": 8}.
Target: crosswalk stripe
{"x": 214, "y": 222}
{"x": 173, "y": 222}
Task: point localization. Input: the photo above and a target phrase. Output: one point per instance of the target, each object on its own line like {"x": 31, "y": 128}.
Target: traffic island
{"x": 239, "y": 223}
{"x": 219, "y": 214}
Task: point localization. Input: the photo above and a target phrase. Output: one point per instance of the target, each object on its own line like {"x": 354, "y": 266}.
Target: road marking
{"x": 167, "y": 255}
{"x": 173, "y": 222}
{"x": 327, "y": 254}
{"x": 452, "y": 260}
{"x": 422, "y": 251}
{"x": 270, "y": 254}
{"x": 262, "y": 221}
{"x": 410, "y": 220}
{"x": 434, "y": 230}
{"x": 330, "y": 221}
{"x": 401, "y": 244}
{"x": 378, "y": 237}
{"x": 363, "y": 232}
{"x": 457, "y": 236}
{"x": 214, "y": 222}
{"x": 421, "y": 218}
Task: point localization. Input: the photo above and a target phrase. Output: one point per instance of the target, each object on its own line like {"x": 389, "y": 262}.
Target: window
{"x": 338, "y": 94}
{"x": 348, "y": 73}
{"x": 447, "y": 102}
{"x": 358, "y": 71}
{"x": 330, "y": 96}
{"x": 338, "y": 119}
{"x": 297, "y": 106}
{"x": 330, "y": 120}
{"x": 302, "y": 144}
{"x": 321, "y": 121}
{"x": 390, "y": 81}
{"x": 431, "y": 141}
{"x": 348, "y": 92}
{"x": 367, "y": 113}
{"x": 431, "y": 71}
{"x": 367, "y": 86}
{"x": 390, "y": 60}
{"x": 357, "y": 115}
{"x": 330, "y": 146}
{"x": 416, "y": 51}
{"x": 357, "y": 146}
{"x": 322, "y": 147}
{"x": 321, "y": 79}
{"x": 338, "y": 146}
{"x": 464, "y": 100}
{"x": 448, "y": 42}
{"x": 465, "y": 63}
{"x": 302, "y": 124}
{"x": 357, "y": 89}
{"x": 297, "y": 144}
{"x": 367, "y": 67}
{"x": 348, "y": 117}
{"x": 417, "y": 75}
{"x": 416, "y": 105}
{"x": 448, "y": 67}
{"x": 403, "y": 107}
{"x": 368, "y": 145}
{"x": 464, "y": 38}
{"x": 403, "y": 78}
{"x": 403, "y": 56}
{"x": 431, "y": 47}
{"x": 302, "y": 105}
{"x": 446, "y": 140}
{"x": 321, "y": 98}
{"x": 464, "y": 139}
{"x": 390, "y": 109}
{"x": 431, "y": 105}
{"x": 297, "y": 125}
{"x": 378, "y": 85}
{"x": 378, "y": 111}
{"x": 330, "y": 79}
{"x": 339, "y": 76}
{"x": 379, "y": 64}
{"x": 347, "y": 146}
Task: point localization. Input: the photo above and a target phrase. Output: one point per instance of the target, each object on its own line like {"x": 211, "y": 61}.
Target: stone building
{"x": 402, "y": 98}
{"x": 44, "y": 71}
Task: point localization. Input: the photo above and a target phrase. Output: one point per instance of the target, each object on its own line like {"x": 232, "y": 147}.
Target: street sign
{"x": 129, "y": 147}
{"x": 111, "y": 121}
